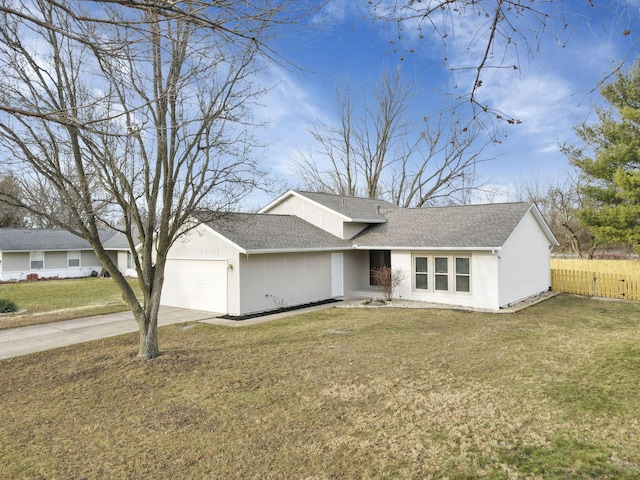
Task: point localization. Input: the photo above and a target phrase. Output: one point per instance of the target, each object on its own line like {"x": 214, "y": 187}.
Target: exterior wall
{"x": 121, "y": 262}
{"x": 483, "y": 279}
{"x": 271, "y": 281}
{"x": 312, "y": 213}
{"x": 356, "y": 263}
{"x": 525, "y": 262}
{"x": 17, "y": 265}
{"x": 201, "y": 243}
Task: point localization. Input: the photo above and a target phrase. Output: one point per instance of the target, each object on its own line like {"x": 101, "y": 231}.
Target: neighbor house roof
{"x": 454, "y": 227}
{"x": 353, "y": 209}
{"x": 35, "y": 239}
{"x": 257, "y": 233}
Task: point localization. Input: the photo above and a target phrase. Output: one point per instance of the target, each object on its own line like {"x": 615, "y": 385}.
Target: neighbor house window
{"x": 422, "y": 273}
{"x": 73, "y": 257}
{"x": 378, "y": 259}
{"x": 130, "y": 264}
{"x": 37, "y": 260}
{"x": 441, "y": 272}
{"x": 463, "y": 275}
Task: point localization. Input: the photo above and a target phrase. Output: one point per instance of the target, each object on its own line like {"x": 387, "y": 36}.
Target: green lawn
{"x": 551, "y": 392}
{"x": 55, "y": 300}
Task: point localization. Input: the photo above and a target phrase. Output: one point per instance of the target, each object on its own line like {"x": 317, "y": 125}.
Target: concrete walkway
{"x": 37, "y": 338}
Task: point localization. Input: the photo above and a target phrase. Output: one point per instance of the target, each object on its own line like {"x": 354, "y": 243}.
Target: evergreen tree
{"x": 611, "y": 169}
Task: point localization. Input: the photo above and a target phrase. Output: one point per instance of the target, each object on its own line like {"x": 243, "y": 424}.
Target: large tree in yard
{"x": 610, "y": 164}
{"x": 131, "y": 115}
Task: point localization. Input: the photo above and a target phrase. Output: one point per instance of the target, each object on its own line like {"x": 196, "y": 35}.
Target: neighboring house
{"x": 54, "y": 253}
{"x": 306, "y": 247}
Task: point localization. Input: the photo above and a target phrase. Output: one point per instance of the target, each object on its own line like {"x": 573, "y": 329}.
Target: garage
{"x": 198, "y": 284}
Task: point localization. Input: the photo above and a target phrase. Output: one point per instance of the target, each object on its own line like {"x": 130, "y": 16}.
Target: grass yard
{"x": 551, "y": 392}
{"x": 56, "y": 300}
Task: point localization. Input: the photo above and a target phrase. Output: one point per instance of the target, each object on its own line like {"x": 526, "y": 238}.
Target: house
{"x": 305, "y": 247}
{"x": 46, "y": 253}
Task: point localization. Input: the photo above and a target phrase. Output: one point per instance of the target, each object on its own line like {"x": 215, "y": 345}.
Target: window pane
{"x": 462, "y": 265}
{"x": 442, "y": 282}
{"x": 37, "y": 265}
{"x": 421, "y": 281}
{"x": 442, "y": 265}
{"x": 462, "y": 283}
{"x": 421, "y": 264}
{"x": 74, "y": 262}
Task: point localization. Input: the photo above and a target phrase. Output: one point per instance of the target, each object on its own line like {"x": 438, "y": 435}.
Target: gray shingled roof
{"x": 264, "y": 232}
{"x": 473, "y": 226}
{"x": 354, "y": 208}
{"x": 32, "y": 239}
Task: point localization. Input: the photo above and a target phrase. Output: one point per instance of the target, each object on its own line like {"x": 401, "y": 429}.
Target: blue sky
{"x": 554, "y": 88}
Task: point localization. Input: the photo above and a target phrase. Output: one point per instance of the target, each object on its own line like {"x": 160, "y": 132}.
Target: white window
{"x": 37, "y": 260}
{"x": 422, "y": 273}
{"x": 441, "y": 271}
{"x": 73, "y": 258}
{"x": 130, "y": 264}
{"x": 463, "y": 275}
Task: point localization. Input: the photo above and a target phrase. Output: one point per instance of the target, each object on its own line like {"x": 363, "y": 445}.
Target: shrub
{"x": 388, "y": 279}
{"x": 7, "y": 306}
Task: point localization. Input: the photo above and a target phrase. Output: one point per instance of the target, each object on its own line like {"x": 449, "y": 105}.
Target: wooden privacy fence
{"x": 597, "y": 278}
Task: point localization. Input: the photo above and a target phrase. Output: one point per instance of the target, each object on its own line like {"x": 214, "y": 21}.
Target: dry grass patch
{"x": 56, "y": 300}
{"x": 549, "y": 392}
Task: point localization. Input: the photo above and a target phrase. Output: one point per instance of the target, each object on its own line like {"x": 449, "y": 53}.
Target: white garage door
{"x": 195, "y": 284}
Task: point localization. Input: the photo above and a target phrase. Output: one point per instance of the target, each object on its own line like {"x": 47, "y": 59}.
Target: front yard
{"x": 56, "y": 300}
{"x": 549, "y": 392}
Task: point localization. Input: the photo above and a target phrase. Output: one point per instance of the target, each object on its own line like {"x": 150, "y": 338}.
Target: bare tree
{"x": 500, "y": 34}
{"x": 131, "y": 115}
{"x": 559, "y": 203}
{"x": 10, "y": 215}
{"x": 381, "y": 153}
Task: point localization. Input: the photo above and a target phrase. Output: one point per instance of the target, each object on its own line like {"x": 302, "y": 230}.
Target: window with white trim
{"x": 73, "y": 258}
{"x": 441, "y": 272}
{"x": 463, "y": 275}
{"x": 37, "y": 260}
{"x": 422, "y": 273}
{"x": 130, "y": 264}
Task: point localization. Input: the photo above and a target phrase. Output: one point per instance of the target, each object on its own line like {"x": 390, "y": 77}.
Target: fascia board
{"x": 421, "y": 248}
{"x": 260, "y": 251}
{"x": 292, "y": 193}
{"x": 277, "y": 201}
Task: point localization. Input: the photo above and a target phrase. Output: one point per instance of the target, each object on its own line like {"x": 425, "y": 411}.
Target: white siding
{"x": 484, "y": 279}
{"x": 524, "y": 262}
{"x": 282, "y": 280}
{"x": 312, "y": 213}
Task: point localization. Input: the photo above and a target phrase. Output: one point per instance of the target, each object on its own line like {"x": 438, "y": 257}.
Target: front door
{"x": 337, "y": 289}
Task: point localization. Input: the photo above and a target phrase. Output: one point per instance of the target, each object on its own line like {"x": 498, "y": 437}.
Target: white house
{"x": 305, "y": 247}
{"x": 56, "y": 253}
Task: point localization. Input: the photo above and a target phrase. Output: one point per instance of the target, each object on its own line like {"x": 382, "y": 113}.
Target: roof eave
{"x": 425, "y": 248}
{"x": 260, "y": 251}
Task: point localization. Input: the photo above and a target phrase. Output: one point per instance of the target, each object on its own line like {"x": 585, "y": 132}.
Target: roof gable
{"x": 352, "y": 209}
{"x": 456, "y": 227}
{"x": 258, "y": 233}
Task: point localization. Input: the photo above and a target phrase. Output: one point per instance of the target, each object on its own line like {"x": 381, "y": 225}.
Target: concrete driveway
{"x": 37, "y": 338}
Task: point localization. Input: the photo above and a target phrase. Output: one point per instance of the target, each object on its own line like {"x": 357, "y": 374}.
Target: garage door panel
{"x": 196, "y": 284}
